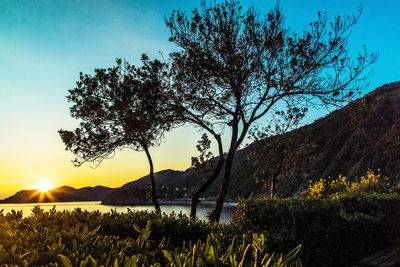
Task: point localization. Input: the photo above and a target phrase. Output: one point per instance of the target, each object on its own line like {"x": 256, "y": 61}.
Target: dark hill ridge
{"x": 60, "y": 194}
{"x": 165, "y": 177}
{"x": 171, "y": 184}
{"x": 364, "y": 134}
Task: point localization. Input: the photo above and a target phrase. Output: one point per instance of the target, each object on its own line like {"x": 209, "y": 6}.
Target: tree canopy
{"x": 234, "y": 66}
{"x": 119, "y": 107}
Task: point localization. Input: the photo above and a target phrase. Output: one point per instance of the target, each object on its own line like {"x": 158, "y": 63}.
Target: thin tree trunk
{"x": 219, "y": 202}
{"x": 272, "y": 189}
{"x": 236, "y": 140}
{"x": 275, "y": 175}
{"x": 215, "y": 214}
{"x": 153, "y": 185}
{"x": 196, "y": 195}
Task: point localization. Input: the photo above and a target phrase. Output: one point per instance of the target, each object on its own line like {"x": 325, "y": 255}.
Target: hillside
{"x": 170, "y": 186}
{"x": 364, "y": 134}
{"x": 60, "y": 194}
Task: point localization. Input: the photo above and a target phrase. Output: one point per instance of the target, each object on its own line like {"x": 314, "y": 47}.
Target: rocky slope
{"x": 363, "y": 135}
{"x": 60, "y": 194}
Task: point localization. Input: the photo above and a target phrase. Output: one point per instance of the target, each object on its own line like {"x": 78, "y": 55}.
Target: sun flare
{"x": 43, "y": 185}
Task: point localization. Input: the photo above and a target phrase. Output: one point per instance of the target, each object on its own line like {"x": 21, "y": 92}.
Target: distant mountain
{"x": 165, "y": 177}
{"x": 60, "y": 194}
{"x": 170, "y": 185}
{"x": 363, "y": 135}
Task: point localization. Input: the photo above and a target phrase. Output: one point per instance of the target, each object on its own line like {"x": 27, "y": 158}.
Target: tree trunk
{"x": 273, "y": 180}
{"x": 153, "y": 185}
{"x": 196, "y": 195}
{"x": 275, "y": 175}
{"x": 215, "y": 214}
{"x": 219, "y": 202}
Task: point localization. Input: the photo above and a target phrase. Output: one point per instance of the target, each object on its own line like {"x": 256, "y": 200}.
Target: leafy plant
{"x": 77, "y": 239}
{"x": 238, "y": 254}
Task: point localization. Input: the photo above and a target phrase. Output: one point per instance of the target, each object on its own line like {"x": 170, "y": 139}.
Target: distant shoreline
{"x": 177, "y": 203}
{"x": 162, "y": 203}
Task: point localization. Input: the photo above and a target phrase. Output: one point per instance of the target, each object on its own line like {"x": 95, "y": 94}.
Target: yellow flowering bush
{"x": 370, "y": 182}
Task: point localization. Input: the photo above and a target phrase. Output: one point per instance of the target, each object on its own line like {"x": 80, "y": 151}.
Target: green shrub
{"x": 163, "y": 226}
{"x": 245, "y": 252}
{"x": 54, "y": 232}
{"x": 334, "y": 232}
{"x": 82, "y": 238}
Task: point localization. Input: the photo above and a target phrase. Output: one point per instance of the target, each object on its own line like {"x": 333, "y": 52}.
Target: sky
{"x": 45, "y": 44}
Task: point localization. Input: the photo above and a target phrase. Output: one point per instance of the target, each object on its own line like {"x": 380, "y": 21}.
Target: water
{"x": 202, "y": 210}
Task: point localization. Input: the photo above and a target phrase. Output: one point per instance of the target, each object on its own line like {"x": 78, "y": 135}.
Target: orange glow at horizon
{"x": 43, "y": 185}
{"x": 53, "y": 164}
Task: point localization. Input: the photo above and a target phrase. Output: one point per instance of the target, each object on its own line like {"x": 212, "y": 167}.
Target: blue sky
{"x": 45, "y": 44}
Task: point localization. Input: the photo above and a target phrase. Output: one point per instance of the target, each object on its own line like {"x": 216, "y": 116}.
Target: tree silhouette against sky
{"x": 119, "y": 107}
{"x": 234, "y": 66}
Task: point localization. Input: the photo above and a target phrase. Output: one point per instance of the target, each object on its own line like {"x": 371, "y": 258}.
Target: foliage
{"x": 163, "y": 226}
{"x": 334, "y": 232}
{"x": 370, "y": 182}
{"x": 239, "y": 253}
{"x": 119, "y": 107}
{"x": 203, "y": 162}
{"x": 206, "y": 165}
{"x": 275, "y": 147}
{"x": 81, "y": 238}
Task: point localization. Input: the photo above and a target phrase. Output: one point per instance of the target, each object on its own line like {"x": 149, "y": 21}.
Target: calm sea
{"x": 202, "y": 210}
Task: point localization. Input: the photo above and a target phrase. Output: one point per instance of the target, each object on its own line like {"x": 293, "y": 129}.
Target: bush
{"x": 370, "y": 182}
{"x": 82, "y": 238}
{"x": 334, "y": 232}
{"x": 163, "y": 226}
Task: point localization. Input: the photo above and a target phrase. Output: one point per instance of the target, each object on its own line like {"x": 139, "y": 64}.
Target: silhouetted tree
{"x": 205, "y": 165}
{"x": 189, "y": 109}
{"x": 235, "y": 66}
{"x": 186, "y": 112}
{"x": 119, "y": 107}
{"x": 274, "y": 153}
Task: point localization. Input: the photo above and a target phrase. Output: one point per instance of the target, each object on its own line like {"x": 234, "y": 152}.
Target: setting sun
{"x": 43, "y": 185}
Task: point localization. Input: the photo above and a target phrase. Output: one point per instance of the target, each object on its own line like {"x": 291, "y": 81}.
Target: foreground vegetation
{"x": 371, "y": 182}
{"x": 338, "y": 220}
{"x": 334, "y": 231}
{"x": 335, "y": 223}
{"x": 81, "y": 238}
